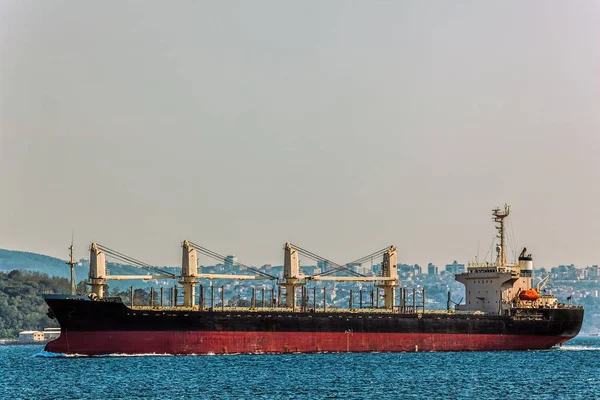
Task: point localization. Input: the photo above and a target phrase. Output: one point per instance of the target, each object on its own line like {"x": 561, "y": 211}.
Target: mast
{"x": 71, "y": 263}
{"x": 499, "y": 216}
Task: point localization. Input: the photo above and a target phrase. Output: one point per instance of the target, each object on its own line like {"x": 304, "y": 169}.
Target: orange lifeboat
{"x": 529, "y": 294}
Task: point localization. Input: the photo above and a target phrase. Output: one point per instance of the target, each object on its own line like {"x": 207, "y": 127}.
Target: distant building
{"x": 417, "y": 270}
{"x": 266, "y": 267}
{"x": 323, "y": 265}
{"x": 376, "y": 269}
{"x": 364, "y": 270}
{"x": 354, "y": 267}
{"x": 230, "y": 261}
{"x": 566, "y": 273}
{"x": 51, "y": 333}
{"x": 591, "y": 272}
{"x": 217, "y": 268}
{"x": 432, "y": 269}
{"x": 455, "y": 268}
{"x": 31, "y": 336}
{"x": 405, "y": 270}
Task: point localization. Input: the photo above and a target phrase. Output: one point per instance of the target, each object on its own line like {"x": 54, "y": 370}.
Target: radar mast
{"x": 71, "y": 263}
{"x": 498, "y": 216}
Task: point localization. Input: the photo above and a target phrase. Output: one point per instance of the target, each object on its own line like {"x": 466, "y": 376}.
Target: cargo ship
{"x": 502, "y": 311}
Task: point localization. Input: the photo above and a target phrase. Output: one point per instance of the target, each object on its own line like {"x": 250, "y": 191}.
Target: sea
{"x": 568, "y": 372}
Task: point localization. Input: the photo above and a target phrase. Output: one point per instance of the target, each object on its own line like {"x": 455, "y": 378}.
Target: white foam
{"x": 47, "y": 354}
{"x": 579, "y": 348}
{"x": 135, "y": 355}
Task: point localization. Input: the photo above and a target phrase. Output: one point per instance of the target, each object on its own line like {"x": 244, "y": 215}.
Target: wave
{"x": 47, "y": 354}
{"x": 135, "y": 355}
{"x": 578, "y": 348}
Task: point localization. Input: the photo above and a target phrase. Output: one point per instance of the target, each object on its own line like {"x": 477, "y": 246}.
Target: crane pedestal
{"x": 389, "y": 269}
{"x": 291, "y": 275}
{"x": 189, "y": 270}
{"x": 97, "y": 271}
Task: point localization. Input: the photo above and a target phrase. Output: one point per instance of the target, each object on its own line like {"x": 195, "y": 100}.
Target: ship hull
{"x": 98, "y": 327}
{"x": 190, "y": 342}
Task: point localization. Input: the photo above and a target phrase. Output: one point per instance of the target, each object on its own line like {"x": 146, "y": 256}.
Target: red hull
{"x": 198, "y": 342}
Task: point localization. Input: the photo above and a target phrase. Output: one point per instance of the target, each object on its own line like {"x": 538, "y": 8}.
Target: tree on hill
{"x": 21, "y": 304}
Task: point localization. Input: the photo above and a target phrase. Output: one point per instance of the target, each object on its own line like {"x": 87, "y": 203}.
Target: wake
{"x": 47, "y": 354}
{"x": 578, "y": 348}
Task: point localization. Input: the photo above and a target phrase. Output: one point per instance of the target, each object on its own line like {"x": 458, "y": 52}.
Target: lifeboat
{"x": 529, "y": 294}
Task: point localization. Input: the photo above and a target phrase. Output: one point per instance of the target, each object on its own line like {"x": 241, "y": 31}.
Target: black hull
{"x": 78, "y": 315}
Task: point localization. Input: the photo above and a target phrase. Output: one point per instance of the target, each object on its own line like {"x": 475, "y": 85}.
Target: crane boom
{"x": 232, "y": 276}
{"x": 142, "y": 277}
{"x": 350, "y": 278}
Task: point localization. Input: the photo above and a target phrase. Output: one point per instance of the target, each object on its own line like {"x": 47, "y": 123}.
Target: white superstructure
{"x": 494, "y": 288}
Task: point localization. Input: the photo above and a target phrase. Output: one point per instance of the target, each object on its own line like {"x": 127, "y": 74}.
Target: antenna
{"x": 498, "y": 216}
{"x": 71, "y": 263}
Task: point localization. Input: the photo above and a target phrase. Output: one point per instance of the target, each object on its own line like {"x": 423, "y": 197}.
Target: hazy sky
{"x": 340, "y": 126}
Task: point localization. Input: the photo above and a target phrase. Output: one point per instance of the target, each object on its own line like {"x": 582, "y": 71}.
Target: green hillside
{"x": 21, "y": 304}
{"x": 24, "y": 261}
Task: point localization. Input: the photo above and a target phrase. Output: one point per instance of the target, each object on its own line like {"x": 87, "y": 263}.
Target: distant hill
{"x": 24, "y": 261}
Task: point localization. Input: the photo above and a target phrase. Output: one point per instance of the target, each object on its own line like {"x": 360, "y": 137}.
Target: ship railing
{"x": 364, "y": 310}
{"x": 489, "y": 268}
{"x": 479, "y": 265}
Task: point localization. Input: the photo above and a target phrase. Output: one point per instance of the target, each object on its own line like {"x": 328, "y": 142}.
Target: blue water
{"x": 571, "y": 372}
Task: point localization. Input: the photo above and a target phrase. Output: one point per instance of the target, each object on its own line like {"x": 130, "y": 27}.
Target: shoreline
{"x": 15, "y": 342}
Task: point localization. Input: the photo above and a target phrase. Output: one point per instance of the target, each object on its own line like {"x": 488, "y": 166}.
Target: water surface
{"x": 570, "y": 372}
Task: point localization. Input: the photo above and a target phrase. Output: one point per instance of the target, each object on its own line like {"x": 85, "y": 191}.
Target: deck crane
{"x": 292, "y": 278}
{"x": 542, "y": 283}
{"x": 190, "y": 275}
{"x": 189, "y": 270}
{"x": 99, "y": 276}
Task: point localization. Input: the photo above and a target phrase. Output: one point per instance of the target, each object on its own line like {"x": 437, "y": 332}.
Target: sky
{"x": 341, "y": 126}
